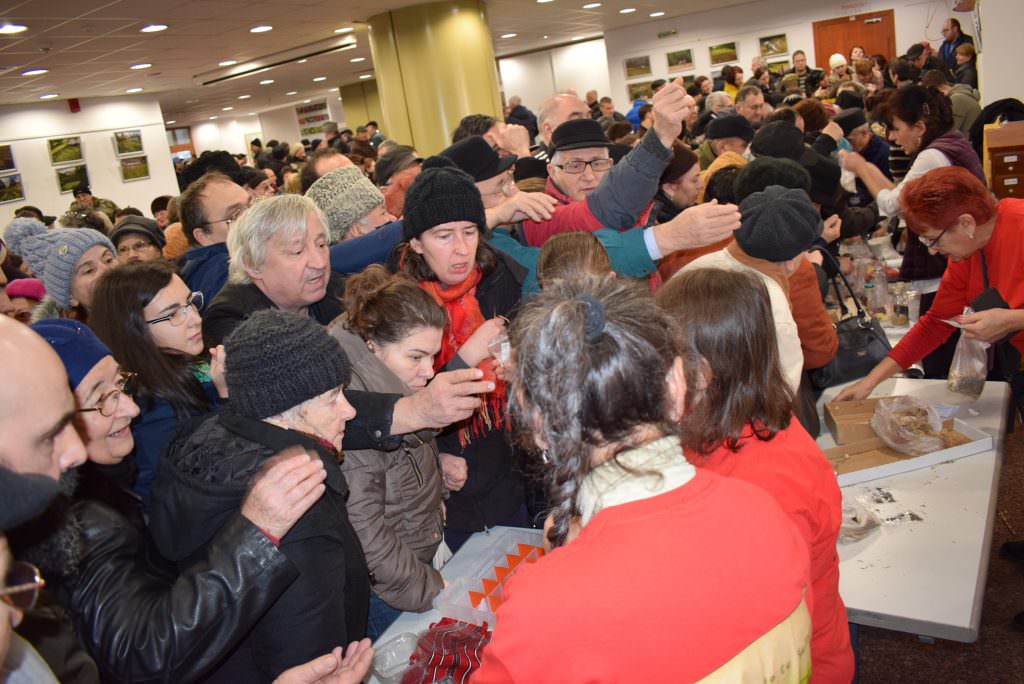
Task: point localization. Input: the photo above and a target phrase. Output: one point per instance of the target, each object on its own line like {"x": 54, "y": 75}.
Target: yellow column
{"x": 434, "y": 64}
{"x": 360, "y": 103}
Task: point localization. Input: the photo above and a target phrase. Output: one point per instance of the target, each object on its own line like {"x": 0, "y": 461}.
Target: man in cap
{"x": 138, "y": 238}
{"x": 777, "y": 226}
{"x": 84, "y": 199}
{"x": 352, "y": 205}
{"x": 332, "y": 139}
{"x": 728, "y": 133}
{"x": 857, "y": 132}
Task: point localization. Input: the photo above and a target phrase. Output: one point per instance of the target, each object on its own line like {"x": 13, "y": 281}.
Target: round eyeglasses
{"x": 22, "y": 586}
{"x": 107, "y": 403}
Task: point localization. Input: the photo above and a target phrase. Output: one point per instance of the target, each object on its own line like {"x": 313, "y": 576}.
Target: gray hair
{"x": 718, "y": 98}
{"x": 282, "y": 216}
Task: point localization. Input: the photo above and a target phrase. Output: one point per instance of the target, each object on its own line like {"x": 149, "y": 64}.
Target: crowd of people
{"x": 252, "y": 429}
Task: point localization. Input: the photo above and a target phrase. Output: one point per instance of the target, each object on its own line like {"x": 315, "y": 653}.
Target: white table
{"x": 928, "y": 577}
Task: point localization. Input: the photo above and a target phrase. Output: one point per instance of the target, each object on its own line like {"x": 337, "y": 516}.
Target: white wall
{"x": 27, "y": 127}
{"x": 916, "y": 20}
{"x": 280, "y": 124}
{"x": 537, "y": 75}
{"x": 999, "y": 64}
{"x": 224, "y": 134}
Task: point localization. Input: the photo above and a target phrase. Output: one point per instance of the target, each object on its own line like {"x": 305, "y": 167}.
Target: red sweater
{"x": 569, "y": 215}
{"x": 666, "y": 589}
{"x": 793, "y": 470}
{"x": 963, "y": 281}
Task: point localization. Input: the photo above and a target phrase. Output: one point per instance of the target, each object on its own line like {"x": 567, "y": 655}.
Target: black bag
{"x": 862, "y": 342}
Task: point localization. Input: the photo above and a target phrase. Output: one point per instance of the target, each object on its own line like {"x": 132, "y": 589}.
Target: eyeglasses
{"x": 507, "y": 183}
{"x": 178, "y": 316}
{"x": 931, "y": 242}
{"x": 232, "y": 218}
{"x": 136, "y": 247}
{"x": 22, "y": 586}
{"x": 107, "y": 403}
{"x": 579, "y": 166}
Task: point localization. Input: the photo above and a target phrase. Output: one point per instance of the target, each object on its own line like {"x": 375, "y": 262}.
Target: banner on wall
{"x": 311, "y": 118}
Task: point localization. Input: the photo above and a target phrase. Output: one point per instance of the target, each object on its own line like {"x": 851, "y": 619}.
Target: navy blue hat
{"x": 78, "y": 347}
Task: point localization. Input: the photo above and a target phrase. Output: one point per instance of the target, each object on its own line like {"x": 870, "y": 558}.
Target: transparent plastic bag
{"x": 858, "y": 522}
{"x": 969, "y": 369}
{"x": 908, "y": 425}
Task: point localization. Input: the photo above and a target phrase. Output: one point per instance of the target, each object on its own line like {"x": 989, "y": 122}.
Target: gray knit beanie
{"x": 344, "y": 196}
{"x": 53, "y": 254}
{"x": 277, "y": 360}
{"x": 777, "y": 224}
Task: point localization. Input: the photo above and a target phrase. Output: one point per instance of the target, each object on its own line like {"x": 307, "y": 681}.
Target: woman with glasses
{"x": 140, "y": 617}
{"x": 145, "y": 313}
{"x": 952, "y": 213}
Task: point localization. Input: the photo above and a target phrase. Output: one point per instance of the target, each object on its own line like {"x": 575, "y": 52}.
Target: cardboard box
{"x": 870, "y": 459}
{"x": 850, "y": 421}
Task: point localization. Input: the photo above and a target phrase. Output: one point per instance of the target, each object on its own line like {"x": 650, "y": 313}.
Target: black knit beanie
{"x": 441, "y": 193}
{"x": 277, "y": 360}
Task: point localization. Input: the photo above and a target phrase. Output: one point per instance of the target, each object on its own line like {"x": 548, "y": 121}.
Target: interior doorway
{"x": 874, "y": 31}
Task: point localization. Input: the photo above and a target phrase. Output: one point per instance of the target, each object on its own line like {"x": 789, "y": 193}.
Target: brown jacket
{"x": 395, "y": 497}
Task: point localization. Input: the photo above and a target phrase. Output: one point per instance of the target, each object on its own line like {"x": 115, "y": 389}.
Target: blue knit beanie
{"x": 53, "y": 254}
{"x": 78, "y": 347}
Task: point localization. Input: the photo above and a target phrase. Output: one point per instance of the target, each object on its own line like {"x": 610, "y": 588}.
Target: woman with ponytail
{"x": 391, "y": 331}
{"x": 661, "y": 572}
{"x": 478, "y": 288}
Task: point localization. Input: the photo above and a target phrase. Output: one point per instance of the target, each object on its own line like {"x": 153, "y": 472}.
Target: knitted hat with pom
{"x": 441, "y": 193}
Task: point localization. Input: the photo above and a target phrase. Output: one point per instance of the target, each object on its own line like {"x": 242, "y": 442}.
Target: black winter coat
{"x": 142, "y": 619}
{"x": 202, "y": 478}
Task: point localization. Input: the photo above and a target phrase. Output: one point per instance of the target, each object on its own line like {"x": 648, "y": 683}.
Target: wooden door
{"x": 874, "y": 31}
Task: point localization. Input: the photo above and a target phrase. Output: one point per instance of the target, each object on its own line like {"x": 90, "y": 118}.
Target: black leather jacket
{"x": 143, "y": 621}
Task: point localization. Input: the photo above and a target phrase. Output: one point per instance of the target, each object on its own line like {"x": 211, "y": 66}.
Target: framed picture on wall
{"x": 723, "y": 52}
{"x": 779, "y": 67}
{"x": 6, "y": 158}
{"x": 128, "y": 142}
{"x": 773, "y": 46}
{"x": 11, "y": 189}
{"x": 680, "y": 60}
{"x": 68, "y": 177}
{"x": 134, "y": 168}
{"x": 64, "y": 150}
{"x": 639, "y": 91}
{"x": 638, "y": 66}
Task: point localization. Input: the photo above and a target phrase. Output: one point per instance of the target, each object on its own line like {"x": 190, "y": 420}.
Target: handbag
{"x": 862, "y": 342}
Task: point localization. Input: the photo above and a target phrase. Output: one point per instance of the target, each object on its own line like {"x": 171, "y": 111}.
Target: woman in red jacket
{"x": 739, "y": 423}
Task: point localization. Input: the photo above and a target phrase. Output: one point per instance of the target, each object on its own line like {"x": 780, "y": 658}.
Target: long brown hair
{"x": 567, "y": 255}
{"x": 733, "y": 375}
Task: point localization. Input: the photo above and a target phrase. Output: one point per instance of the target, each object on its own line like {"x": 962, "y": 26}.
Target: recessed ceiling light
{"x": 261, "y": 29}
{"x": 168, "y": 123}
{"x": 319, "y": 78}
{"x": 143, "y": 65}
{"x": 191, "y": 101}
{"x": 8, "y": 29}
{"x": 227, "y": 109}
{"x": 302, "y": 61}
{"x": 212, "y": 118}
{"x": 546, "y": 37}
{"x": 509, "y": 35}
{"x": 228, "y": 62}
{"x": 306, "y": 101}
{"x": 577, "y": 38}
{"x": 592, "y": 5}
{"x": 627, "y": 10}
{"x": 134, "y": 90}
{"x": 153, "y": 28}
{"x": 344, "y": 29}
{"x": 49, "y": 96}
{"x": 266, "y": 81}
{"x": 251, "y": 114}
{"x": 654, "y": 15}
{"x": 365, "y": 76}
{"x": 292, "y": 92}
{"x": 544, "y": 1}
{"x": 35, "y": 72}
{"x": 244, "y": 97}
{"x": 357, "y": 59}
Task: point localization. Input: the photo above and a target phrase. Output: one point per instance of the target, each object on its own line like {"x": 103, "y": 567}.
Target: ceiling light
{"x": 544, "y": 1}
{"x": 357, "y": 59}
{"x": 306, "y": 101}
{"x": 509, "y": 35}
{"x": 319, "y": 78}
{"x": 49, "y": 96}
{"x": 227, "y": 109}
{"x": 244, "y": 97}
{"x": 292, "y": 92}
{"x": 143, "y": 65}
{"x": 627, "y": 10}
{"x": 655, "y": 15}
{"x": 261, "y": 29}
{"x": 302, "y": 61}
{"x": 134, "y": 90}
{"x": 365, "y": 76}
{"x": 168, "y": 123}
{"x": 212, "y": 118}
{"x": 35, "y": 72}
{"x": 344, "y": 29}
{"x": 576, "y": 38}
{"x": 8, "y": 29}
{"x": 153, "y": 28}
{"x": 228, "y": 62}
{"x": 251, "y": 114}
{"x": 592, "y": 5}
{"x": 266, "y": 81}
{"x": 546, "y": 37}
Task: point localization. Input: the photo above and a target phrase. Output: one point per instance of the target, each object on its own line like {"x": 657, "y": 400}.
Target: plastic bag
{"x": 969, "y": 369}
{"x": 908, "y": 425}
{"x": 857, "y": 524}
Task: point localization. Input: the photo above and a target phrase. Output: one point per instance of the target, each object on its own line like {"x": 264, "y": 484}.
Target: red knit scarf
{"x": 464, "y": 317}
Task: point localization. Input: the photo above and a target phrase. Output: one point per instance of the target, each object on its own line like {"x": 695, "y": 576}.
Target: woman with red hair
{"x": 953, "y": 214}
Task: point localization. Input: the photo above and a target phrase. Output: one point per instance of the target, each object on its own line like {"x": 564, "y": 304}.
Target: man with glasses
{"x": 138, "y": 238}
{"x": 208, "y": 208}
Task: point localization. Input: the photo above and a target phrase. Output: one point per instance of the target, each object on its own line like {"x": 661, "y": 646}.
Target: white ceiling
{"x": 90, "y": 45}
